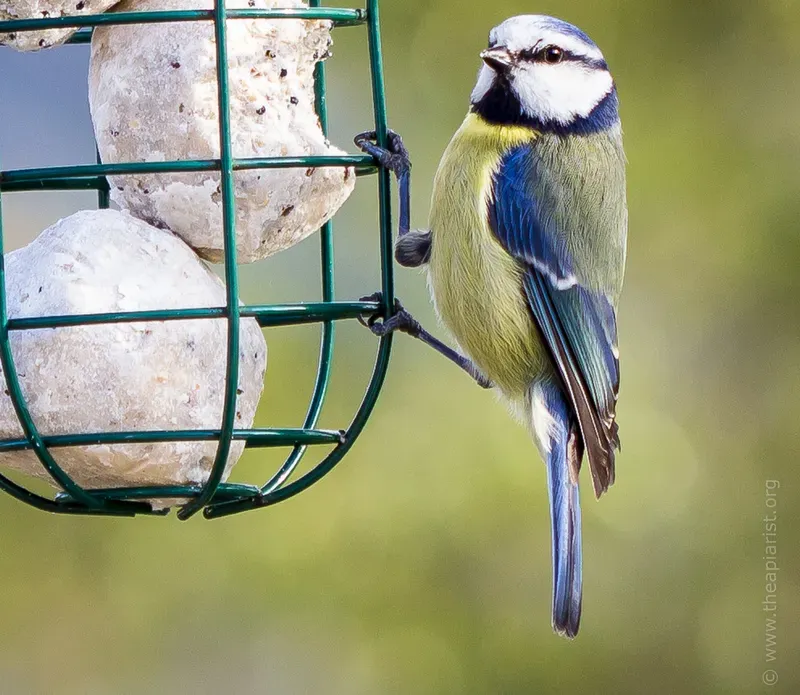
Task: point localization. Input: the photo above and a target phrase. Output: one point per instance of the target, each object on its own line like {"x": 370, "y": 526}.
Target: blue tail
{"x": 565, "y": 453}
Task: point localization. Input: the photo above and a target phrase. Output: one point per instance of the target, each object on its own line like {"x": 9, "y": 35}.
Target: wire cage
{"x": 214, "y": 497}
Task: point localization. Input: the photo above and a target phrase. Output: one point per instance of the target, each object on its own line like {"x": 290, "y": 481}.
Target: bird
{"x": 525, "y": 251}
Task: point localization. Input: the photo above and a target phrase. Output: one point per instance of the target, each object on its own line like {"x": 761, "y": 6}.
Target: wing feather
{"x": 575, "y": 316}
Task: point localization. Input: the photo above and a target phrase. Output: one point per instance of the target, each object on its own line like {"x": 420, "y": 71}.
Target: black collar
{"x": 500, "y": 106}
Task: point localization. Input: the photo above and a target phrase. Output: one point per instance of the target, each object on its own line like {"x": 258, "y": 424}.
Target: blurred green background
{"x": 422, "y": 564}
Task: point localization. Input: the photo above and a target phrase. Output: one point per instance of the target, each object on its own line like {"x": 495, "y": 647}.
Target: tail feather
{"x": 563, "y": 449}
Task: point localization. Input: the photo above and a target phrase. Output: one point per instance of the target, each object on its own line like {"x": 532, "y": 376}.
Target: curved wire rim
{"x": 217, "y": 499}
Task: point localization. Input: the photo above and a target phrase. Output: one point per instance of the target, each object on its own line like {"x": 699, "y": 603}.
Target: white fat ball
{"x": 124, "y": 376}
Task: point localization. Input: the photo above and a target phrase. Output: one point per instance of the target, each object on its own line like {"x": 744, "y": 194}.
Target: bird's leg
{"x": 396, "y": 159}
{"x": 402, "y": 321}
{"x": 412, "y": 248}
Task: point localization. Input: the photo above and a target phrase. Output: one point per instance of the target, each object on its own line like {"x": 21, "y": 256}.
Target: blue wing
{"x": 577, "y": 322}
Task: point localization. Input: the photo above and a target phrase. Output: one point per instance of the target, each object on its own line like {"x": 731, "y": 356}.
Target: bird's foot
{"x": 404, "y": 322}
{"x": 395, "y": 157}
{"x": 400, "y": 320}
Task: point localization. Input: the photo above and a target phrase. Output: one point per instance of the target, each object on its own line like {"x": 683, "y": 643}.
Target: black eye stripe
{"x": 537, "y": 56}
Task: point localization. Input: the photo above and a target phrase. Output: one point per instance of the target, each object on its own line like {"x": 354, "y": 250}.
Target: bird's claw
{"x": 395, "y": 157}
{"x": 400, "y": 320}
{"x": 370, "y": 321}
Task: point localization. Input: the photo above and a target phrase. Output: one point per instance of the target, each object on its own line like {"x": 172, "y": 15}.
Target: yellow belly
{"x": 476, "y": 284}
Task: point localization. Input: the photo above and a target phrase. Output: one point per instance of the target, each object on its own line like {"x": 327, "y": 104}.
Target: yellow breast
{"x": 476, "y": 284}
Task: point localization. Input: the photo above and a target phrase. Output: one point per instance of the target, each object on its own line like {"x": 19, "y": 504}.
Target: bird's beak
{"x": 498, "y": 58}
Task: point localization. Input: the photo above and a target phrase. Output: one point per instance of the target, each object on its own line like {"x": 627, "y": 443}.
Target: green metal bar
{"x": 339, "y": 16}
{"x": 231, "y": 271}
{"x": 225, "y": 491}
{"x": 266, "y": 315}
{"x": 364, "y": 165}
{"x": 38, "y": 322}
{"x": 384, "y": 350}
{"x": 111, "y": 508}
{"x": 327, "y": 335}
{"x": 255, "y": 438}
{"x": 98, "y": 183}
{"x": 384, "y": 176}
{"x": 283, "y": 315}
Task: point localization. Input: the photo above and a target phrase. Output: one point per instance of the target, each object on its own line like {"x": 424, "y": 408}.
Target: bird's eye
{"x": 552, "y": 54}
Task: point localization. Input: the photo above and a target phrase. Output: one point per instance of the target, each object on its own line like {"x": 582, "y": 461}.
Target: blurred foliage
{"x": 422, "y": 564}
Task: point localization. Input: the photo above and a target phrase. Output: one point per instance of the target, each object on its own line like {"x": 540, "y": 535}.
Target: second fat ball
{"x": 153, "y": 95}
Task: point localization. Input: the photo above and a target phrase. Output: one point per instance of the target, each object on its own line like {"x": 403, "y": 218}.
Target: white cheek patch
{"x": 561, "y": 92}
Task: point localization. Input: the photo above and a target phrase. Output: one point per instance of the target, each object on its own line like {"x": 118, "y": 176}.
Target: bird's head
{"x": 543, "y": 72}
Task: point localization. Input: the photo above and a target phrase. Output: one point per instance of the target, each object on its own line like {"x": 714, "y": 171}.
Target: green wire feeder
{"x": 215, "y": 498}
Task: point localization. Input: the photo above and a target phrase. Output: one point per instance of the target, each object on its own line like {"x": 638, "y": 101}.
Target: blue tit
{"x": 525, "y": 254}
